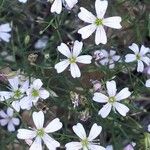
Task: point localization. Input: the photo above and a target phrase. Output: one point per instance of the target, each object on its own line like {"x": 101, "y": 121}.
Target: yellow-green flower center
{"x": 72, "y": 60}
{"x": 99, "y": 22}
{"x": 35, "y": 93}
{"x": 40, "y": 132}
{"x": 85, "y": 143}
{"x": 17, "y": 94}
{"x": 111, "y": 99}
{"x": 138, "y": 57}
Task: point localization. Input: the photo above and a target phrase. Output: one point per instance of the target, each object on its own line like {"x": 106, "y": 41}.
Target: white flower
{"x": 8, "y": 119}
{"x": 57, "y": 5}
{"x": 35, "y": 92}
{"x": 17, "y": 92}
{"x": 139, "y": 56}
{"x": 72, "y": 58}
{"x": 22, "y": 1}
{"x": 109, "y": 147}
{"x": 98, "y": 22}
{"x": 112, "y": 101}
{"x": 41, "y": 133}
{"x": 85, "y": 143}
{"x": 149, "y": 128}
{"x": 147, "y": 84}
{"x": 4, "y": 29}
{"x": 109, "y": 58}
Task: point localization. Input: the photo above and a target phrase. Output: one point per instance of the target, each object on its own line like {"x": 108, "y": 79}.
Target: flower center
{"x": 85, "y": 143}
{"x": 72, "y": 60}
{"x": 98, "y": 22}
{"x": 35, "y": 93}
{"x": 111, "y": 99}
{"x": 138, "y": 57}
{"x": 40, "y": 132}
{"x": 17, "y": 94}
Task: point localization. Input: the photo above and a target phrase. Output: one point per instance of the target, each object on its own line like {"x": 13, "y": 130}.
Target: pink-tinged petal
{"x": 75, "y": 71}
{"x": 86, "y": 16}
{"x": 144, "y": 50}
{"x": 105, "y": 110}
{"x": 26, "y": 134}
{"x": 37, "y": 144}
{"x": 5, "y": 27}
{"x": 4, "y": 122}
{"x": 130, "y": 58}
{"x": 61, "y": 66}
{"x": 5, "y": 36}
{"x": 71, "y": 3}
{"x": 77, "y": 48}
{"x": 121, "y": 108}
{"x": 14, "y": 82}
{"x": 100, "y": 98}
{"x": 123, "y": 94}
{"x": 38, "y": 119}
{"x": 147, "y": 83}
{"x": 85, "y": 59}
{"x": 50, "y": 142}
{"x": 101, "y": 7}
{"x": 56, "y": 6}
{"x": 94, "y": 132}
{"x": 87, "y": 31}
{"x": 10, "y": 126}
{"x": 111, "y": 88}
{"x": 4, "y": 95}
{"x": 140, "y": 66}
{"x": 100, "y": 36}
{"x": 15, "y": 121}
{"x": 73, "y": 146}
{"x": 44, "y": 94}
{"x": 112, "y": 22}
{"x": 96, "y": 147}
{"x": 53, "y": 126}
{"x": 64, "y": 49}
{"x": 134, "y": 47}
{"x": 79, "y": 131}
{"x": 37, "y": 84}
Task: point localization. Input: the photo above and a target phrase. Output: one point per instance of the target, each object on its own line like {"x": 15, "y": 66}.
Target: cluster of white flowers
{"x": 23, "y": 95}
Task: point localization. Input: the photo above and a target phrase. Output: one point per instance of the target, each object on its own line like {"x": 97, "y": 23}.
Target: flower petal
{"x": 86, "y": 16}
{"x": 111, "y": 88}
{"x": 73, "y": 146}
{"x": 5, "y": 27}
{"x": 100, "y": 36}
{"x": 10, "y": 126}
{"x": 24, "y": 86}
{"x": 71, "y": 3}
{"x": 5, "y": 36}
{"x": 146, "y": 60}
{"x": 113, "y": 22}
{"x": 50, "y": 142}
{"x": 44, "y": 94}
{"x": 134, "y": 47}
{"x": 38, "y": 119}
{"x": 123, "y": 94}
{"x": 26, "y": 134}
{"x": 96, "y": 147}
{"x": 10, "y": 112}
{"x": 85, "y": 59}
{"x": 94, "y": 132}
{"x": 121, "y": 108}
{"x": 37, "y": 144}
{"x": 100, "y": 98}
{"x": 37, "y": 84}
{"x": 4, "y": 95}
{"x": 26, "y": 103}
{"x": 79, "y": 131}
{"x": 16, "y": 105}
{"x": 56, "y": 6}
{"x": 64, "y": 49}
{"x": 3, "y": 114}
{"x": 3, "y": 122}
{"x": 75, "y": 71}
{"x": 77, "y": 48}
{"x": 15, "y": 121}
{"x": 147, "y": 84}
{"x": 61, "y": 66}
{"x": 87, "y": 31}
{"x": 105, "y": 110}
{"x": 144, "y": 50}
{"x": 14, "y": 82}
{"x": 101, "y": 7}
{"x": 130, "y": 58}
{"x": 53, "y": 126}
{"x": 140, "y": 66}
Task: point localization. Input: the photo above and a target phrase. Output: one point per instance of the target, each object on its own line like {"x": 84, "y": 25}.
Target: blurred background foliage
{"x": 32, "y": 21}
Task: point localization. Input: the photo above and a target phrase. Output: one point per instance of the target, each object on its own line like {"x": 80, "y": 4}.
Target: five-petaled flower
{"x": 85, "y": 143}
{"x": 7, "y": 118}
{"x": 72, "y": 58}
{"x": 140, "y": 55}
{"x": 98, "y": 22}
{"x": 112, "y": 101}
{"x": 40, "y": 133}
